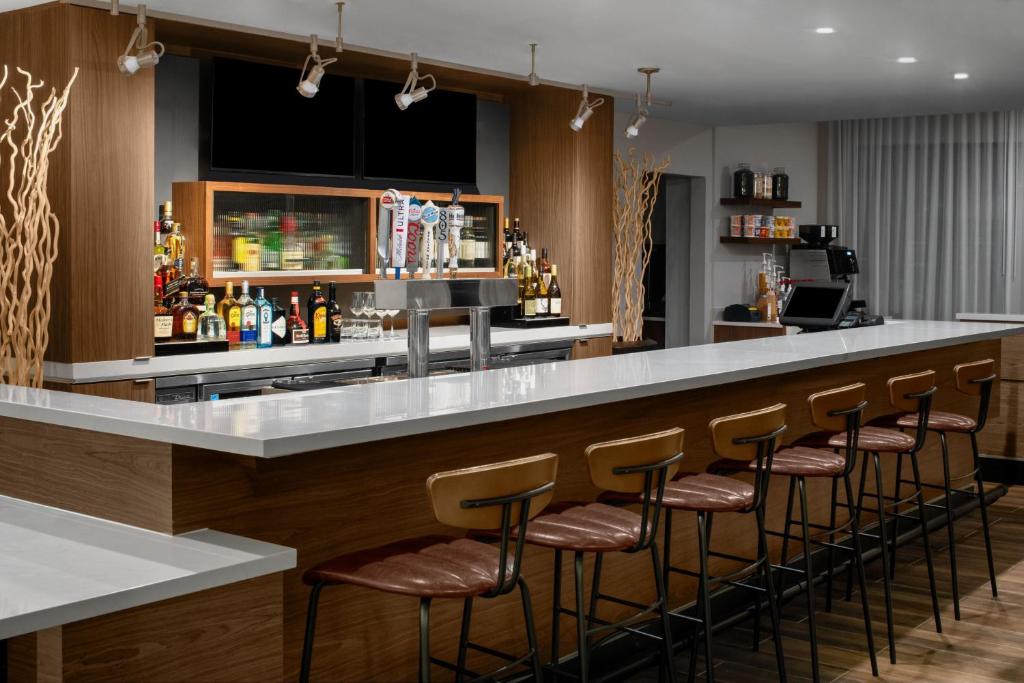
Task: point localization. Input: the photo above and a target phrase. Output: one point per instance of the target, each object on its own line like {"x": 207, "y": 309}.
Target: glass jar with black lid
{"x": 780, "y": 184}
{"x": 743, "y": 182}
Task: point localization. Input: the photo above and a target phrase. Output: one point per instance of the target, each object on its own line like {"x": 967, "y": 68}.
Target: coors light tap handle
{"x": 412, "y": 236}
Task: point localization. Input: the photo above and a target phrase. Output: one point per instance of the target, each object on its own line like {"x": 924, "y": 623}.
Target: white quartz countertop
{"x": 286, "y": 424}
{"x": 58, "y": 566}
{"x": 445, "y": 338}
{"x": 992, "y": 317}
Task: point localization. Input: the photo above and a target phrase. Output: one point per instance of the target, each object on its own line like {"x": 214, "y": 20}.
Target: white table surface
{"x": 445, "y": 338}
{"x": 992, "y": 317}
{"x": 57, "y": 567}
{"x": 286, "y": 424}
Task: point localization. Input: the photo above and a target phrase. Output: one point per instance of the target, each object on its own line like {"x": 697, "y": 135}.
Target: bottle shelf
{"x": 728, "y": 239}
{"x": 768, "y": 203}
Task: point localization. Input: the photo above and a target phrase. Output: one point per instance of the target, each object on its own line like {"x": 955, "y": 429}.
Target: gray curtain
{"x": 932, "y": 205}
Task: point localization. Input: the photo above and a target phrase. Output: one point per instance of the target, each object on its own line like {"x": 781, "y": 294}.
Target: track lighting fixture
{"x": 139, "y": 54}
{"x": 641, "y": 113}
{"x": 410, "y": 93}
{"x": 339, "y": 45}
{"x": 585, "y": 111}
{"x": 533, "y": 78}
{"x": 309, "y": 82}
{"x": 639, "y": 118}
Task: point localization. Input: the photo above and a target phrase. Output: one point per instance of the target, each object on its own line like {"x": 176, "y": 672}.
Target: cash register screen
{"x": 816, "y": 305}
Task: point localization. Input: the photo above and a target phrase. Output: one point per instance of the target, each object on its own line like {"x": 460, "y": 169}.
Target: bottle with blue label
{"x": 264, "y": 321}
{"x": 249, "y": 319}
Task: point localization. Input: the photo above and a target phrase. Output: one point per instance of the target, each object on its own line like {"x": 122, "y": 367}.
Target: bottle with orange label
{"x": 229, "y": 309}
{"x": 316, "y": 313}
{"x": 185, "y": 319}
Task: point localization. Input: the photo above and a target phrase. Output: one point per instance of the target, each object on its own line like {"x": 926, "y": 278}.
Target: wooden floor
{"x": 987, "y": 645}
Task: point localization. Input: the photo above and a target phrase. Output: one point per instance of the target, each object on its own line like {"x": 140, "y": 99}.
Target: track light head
{"x": 533, "y": 78}
{"x": 410, "y": 93}
{"x": 638, "y": 120}
{"x": 309, "y": 82}
{"x": 140, "y": 54}
{"x": 585, "y": 111}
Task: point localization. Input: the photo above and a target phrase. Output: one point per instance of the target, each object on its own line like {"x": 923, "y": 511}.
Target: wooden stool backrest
{"x": 825, "y": 404}
{"x": 607, "y": 459}
{"x": 903, "y": 388}
{"x": 971, "y": 377}
{"x": 455, "y": 495}
{"x": 731, "y": 436}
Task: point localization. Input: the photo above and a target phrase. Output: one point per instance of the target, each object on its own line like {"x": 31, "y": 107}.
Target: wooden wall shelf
{"x": 728, "y": 239}
{"x": 767, "y": 203}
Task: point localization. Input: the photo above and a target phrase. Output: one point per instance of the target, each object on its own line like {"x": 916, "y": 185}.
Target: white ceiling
{"x": 723, "y": 61}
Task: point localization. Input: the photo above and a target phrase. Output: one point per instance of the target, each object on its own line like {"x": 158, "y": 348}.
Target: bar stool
{"x": 972, "y": 379}
{"x": 747, "y": 438}
{"x": 836, "y": 410}
{"x": 908, "y": 393}
{"x": 641, "y": 466}
{"x": 502, "y": 496}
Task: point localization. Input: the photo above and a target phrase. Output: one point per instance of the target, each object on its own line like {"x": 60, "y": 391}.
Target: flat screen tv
{"x": 433, "y": 140}
{"x": 259, "y": 123}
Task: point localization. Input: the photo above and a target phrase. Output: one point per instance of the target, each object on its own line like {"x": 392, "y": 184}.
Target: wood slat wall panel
{"x": 560, "y": 186}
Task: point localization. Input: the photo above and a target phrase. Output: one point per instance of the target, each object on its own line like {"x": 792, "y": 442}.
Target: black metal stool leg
{"x": 467, "y": 614}
{"x": 531, "y": 631}
{"x": 595, "y": 586}
{"x": 307, "y": 645}
{"x": 858, "y": 559}
{"x": 950, "y": 529}
{"x": 666, "y": 559}
{"x": 927, "y": 543}
{"x": 984, "y": 514}
{"x": 424, "y": 640}
{"x": 831, "y": 560}
{"x": 695, "y": 640}
{"x": 896, "y": 518}
{"x": 773, "y": 602}
{"x": 556, "y": 614}
{"x": 860, "y": 506}
{"x": 883, "y": 544}
{"x": 702, "y": 542}
{"x": 667, "y": 652}
{"x": 809, "y": 576}
{"x": 581, "y": 623}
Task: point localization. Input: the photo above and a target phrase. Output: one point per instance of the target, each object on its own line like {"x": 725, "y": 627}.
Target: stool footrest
{"x": 513, "y": 662}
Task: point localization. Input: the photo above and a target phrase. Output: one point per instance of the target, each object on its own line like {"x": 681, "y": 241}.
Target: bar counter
{"x": 331, "y": 471}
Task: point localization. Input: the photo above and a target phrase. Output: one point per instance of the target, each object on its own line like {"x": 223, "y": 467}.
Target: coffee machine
{"x": 818, "y": 260}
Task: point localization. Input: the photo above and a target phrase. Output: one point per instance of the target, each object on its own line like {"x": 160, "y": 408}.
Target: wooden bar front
{"x": 333, "y": 501}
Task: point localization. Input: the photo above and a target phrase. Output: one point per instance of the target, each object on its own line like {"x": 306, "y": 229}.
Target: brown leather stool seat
{"x": 425, "y": 567}
{"x": 938, "y": 421}
{"x": 798, "y": 461}
{"x": 696, "y": 492}
{"x": 586, "y": 527}
{"x": 871, "y": 439}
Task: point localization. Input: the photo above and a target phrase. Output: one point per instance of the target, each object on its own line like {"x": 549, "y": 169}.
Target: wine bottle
{"x": 529, "y": 294}
{"x": 554, "y": 293}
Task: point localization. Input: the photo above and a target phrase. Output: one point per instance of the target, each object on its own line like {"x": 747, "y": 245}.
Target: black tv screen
{"x": 433, "y": 140}
{"x": 258, "y": 122}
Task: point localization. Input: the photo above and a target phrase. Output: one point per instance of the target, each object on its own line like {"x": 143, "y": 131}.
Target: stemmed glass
{"x": 391, "y": 313}
{"x": 358, "y": 309}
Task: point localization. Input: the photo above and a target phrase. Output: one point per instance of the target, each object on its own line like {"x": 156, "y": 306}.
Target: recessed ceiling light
{"x": 907, "y": 60}
{"x": 961, "y": 75}
{"x": 825, "y": 30}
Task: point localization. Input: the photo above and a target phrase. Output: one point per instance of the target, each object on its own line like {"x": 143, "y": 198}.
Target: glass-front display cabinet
{"x": 287, "y": 234}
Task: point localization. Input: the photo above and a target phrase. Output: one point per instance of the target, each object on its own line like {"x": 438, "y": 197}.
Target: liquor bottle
{"x": 554, "y": 293}
{"x": 279, "y": 324}
{"x": 185, "y": 319}
{"x": 544, "y": 266}
{"x": 529, "y": 294}
{"x": 166, "y": 219}
{"x": 229, "y": 309}
{"x": 517, "y": 233}
{"x": 211, "y": 326}
{"x": 264, "y": 320}
{"x": 247, "y": 333}
{"x": 175, "y": 244}
{"x": 540, "y": 286}
{"x": 158, "y": 247}
{"x": 520, "y": 285}
{"x": 163, "y": 321}
{"x": 506, "y": 248}
{"x": 334, "y": 316}
{"x": 316, "y": 314}
{"x": 195, "y": 284}
{"x": 291, "y": 250}
{"x": 298, "y": 333}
